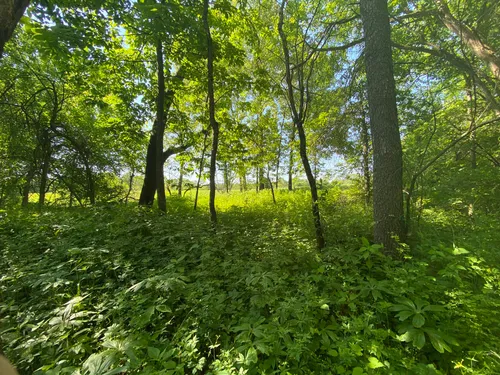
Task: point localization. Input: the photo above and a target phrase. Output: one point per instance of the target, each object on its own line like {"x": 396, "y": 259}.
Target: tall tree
{"x": 387, "y": 151}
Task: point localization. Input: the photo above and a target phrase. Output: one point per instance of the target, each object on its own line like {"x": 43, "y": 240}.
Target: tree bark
{"x": 11, "y": 12}
{"x": 160, "y": 128}
{"x": 130, "y": 184}
{"x": 27, "y": 187}
{"x": 211, "y": 109}
{"x": 262, "y": 184}
{"x": 149, "y": 185}
{"x": 387, "y": 151}
{"x": 181, "y": 177}
{"x": 290, "y": 160}
{"x": 46, "y": 155}
{"x": 271, "y": 184}
{"x": 202, "y": 163}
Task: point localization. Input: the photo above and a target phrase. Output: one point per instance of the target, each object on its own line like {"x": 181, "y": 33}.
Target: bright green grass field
{"x": 114, "y": 289}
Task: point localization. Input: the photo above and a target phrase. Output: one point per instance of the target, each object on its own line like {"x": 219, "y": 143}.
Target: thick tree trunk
{"x": 387, "y": 152}
{"x": 484, "y": 52}
{"x": 160, "y": 129}
{"x": 211, "y": 109}
{"x": 149, "y": 185}
{"x": 11, "y": 12}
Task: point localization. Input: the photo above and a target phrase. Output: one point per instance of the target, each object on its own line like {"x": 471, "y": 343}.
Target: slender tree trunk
{"x": 202, "y": 162}
{"x": 46, "y": 155}
{"x": 90, "y": 183}
{"x": 290, "y": 159}
{"x": 262, "y": 184}
{"x": 387, "y": 152}
{"x": 27, "y": 187}
{"x": 130, "y": 184}
{"x": 320, "y": 239}
{"x": 11, "y": 12}
{"x": 257, "y": 179}
{"x": 181, "y": 177}
{"x": 473, "y": 151}
{"x": 298, "y": 115}
{"x": 160, "y": 129}
{"x": 278, "y": 158}
{"x": 211, "y": 109}
{"x": 365, "y": 139}
{"x": 271, "y": 184}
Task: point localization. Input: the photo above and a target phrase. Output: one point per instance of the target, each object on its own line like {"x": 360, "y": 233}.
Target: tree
{"x": 387, "y": 151}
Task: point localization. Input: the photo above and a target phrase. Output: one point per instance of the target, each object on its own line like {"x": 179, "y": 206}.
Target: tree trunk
{"x": 130, "y": 184}
{"x": 387, "y": 152}
{"x": 149, "y": 185}
{"x": 290, "y": 159}
{"x": 299, "y": 114}
{"x": 278, "y": 157}
{"x": 160, "y": 129}
{"x": 27, "y": 187}
{"x": 181, "y": 177}
{"x": 365, "y": 139}
{"x": 271, "y": 184}
{"x": 11, "y": 12}
{"x": 256, "y": 179}
{"x": 226, "y": 177}
{"x": 320, "y": 239}
{"x": 262, "y": 184}
{"x": 211, "y": 109}
{"x": 46, "y": 154}
{"x": 202, "y": 162}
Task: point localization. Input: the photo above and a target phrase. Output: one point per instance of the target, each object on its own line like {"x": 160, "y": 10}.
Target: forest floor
{"x": 115, "y": 289}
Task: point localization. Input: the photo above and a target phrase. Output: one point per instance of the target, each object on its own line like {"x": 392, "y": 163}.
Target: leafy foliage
{"x": 114, "y": 289}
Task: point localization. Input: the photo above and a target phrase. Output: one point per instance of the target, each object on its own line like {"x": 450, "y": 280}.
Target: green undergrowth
{"x": 121, "y": 290}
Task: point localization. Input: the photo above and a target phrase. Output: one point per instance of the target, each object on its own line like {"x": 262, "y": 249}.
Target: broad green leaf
{"x": 374, "y": 363}
{"x": 419, "y": 339}
{"x": 418, "y": 320}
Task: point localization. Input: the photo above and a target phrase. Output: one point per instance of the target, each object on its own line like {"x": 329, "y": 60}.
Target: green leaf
{"x": 403, "y": 315}
{"x": 163, "y": 308}
{"x": 434, "y": 308}
{"x": 418, "y": 320}
{"x": 374, "y": 363}
{"x": 153, "y": 353}
{"x": 419, "y": 339}
{"x": 357, "y": 371}
{"x": 251, "y": 356}
{"x": 170, "y": 365}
